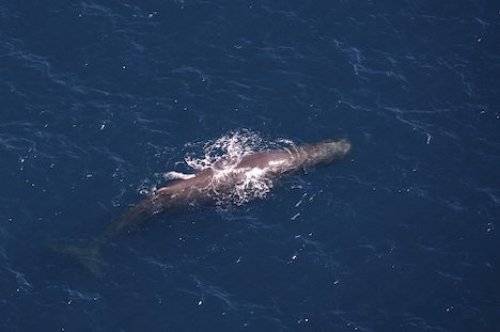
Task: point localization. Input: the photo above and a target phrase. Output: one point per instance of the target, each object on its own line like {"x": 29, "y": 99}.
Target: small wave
{"x": 75, "y": 295}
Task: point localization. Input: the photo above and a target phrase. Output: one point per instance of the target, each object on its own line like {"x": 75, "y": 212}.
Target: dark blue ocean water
{"x": 99, "y": 98}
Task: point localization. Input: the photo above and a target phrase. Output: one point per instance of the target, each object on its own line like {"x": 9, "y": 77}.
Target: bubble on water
{"x": 227, "y": 150}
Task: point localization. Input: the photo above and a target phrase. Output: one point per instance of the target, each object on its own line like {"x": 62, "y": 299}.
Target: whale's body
{"x": 272, "y": 164}
{"x": 208, "y": 186}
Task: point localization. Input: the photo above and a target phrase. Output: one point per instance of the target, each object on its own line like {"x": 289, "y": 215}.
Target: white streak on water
{"x": 172, "y": 175}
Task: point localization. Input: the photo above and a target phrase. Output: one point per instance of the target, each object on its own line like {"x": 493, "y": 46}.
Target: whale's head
{"x": 327, "y": 151}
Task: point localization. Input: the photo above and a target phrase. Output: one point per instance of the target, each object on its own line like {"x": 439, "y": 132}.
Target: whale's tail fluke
{"x": 88, "y": 255}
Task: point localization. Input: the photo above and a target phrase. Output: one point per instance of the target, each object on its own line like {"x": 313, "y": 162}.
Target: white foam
{"x": 247, "y": 184}
{"x": 222, "y": 156}
{"x": 172, "y": 175}
{"x": 228, "y": 149}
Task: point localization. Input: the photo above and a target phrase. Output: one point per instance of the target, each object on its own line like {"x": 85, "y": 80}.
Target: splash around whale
{"x": 237, "y": 178}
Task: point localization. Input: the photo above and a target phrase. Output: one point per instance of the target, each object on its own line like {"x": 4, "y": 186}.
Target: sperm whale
{"x": 205, "y": 188}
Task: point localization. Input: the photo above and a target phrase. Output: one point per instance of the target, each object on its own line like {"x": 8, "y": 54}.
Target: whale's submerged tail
{"x": 88, "y": 256}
